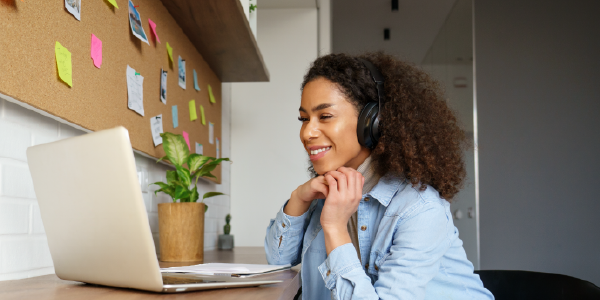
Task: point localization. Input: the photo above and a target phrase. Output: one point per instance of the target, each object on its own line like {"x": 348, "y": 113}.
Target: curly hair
{"x": 421, "y": 139}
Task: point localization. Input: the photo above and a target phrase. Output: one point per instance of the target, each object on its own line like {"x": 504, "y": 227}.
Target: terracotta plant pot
{"x": 181, "y": 231}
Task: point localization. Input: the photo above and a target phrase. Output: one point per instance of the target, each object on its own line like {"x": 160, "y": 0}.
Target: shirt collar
{"x": 386, "y": 188}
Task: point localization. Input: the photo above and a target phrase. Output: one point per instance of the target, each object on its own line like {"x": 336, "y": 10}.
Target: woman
{"x": 375, "y": 220}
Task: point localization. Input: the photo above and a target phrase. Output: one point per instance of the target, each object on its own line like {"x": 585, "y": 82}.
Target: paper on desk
{"x": 225, "y": 269}
{"x": 135, "y": 91}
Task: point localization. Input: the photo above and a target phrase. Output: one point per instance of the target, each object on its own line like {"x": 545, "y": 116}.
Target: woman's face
{"x": 328, "y": 130}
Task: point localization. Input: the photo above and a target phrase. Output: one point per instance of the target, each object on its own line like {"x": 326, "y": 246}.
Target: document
{"x": 196, "y": 81}
{"x": 211, "y": 133}
{"x": 156, "y": 126}
{"x": 163, "y": 86}
{"x": 135, "y": 21}
{"x": 181, "y": 72}
{"x": 135, "y": 91}
{"x": 74, "y": 7}
{"x": 199, "y": 149}
{"x": 226, "y": 269}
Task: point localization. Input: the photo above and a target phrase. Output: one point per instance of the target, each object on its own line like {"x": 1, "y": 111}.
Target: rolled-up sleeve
{"x": 419, "y": 241}
{"x": 283, "y": 240}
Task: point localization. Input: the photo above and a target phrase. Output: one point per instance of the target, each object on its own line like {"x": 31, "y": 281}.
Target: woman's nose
{"x": 310, "y": 131}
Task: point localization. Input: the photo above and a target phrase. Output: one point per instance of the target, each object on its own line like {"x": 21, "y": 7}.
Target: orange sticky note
{"x": 186, "y": 136}
{"x": 96, "y": 50}
{"x": 153, "y": 27}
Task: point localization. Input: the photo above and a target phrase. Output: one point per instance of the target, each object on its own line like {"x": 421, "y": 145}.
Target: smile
{"x": 318, "y": 153}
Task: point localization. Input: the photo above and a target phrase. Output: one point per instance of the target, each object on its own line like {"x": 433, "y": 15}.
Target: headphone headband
{"x": 377, "y": 78}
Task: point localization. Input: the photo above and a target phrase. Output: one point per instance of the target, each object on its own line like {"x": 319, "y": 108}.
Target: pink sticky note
{"x": 186, "y": 136}
{"x": 96, "y": 51}
{"x": 153, "y": 26}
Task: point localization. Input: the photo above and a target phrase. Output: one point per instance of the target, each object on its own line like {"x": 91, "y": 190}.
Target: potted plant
{"x": 181, "y": 224}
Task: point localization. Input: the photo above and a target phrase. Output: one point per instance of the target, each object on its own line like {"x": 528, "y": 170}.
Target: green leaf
{"x": 210, "y": 175}
{"x": 162, "y": 158}
{"x": 211, "y": 194}
{"x": 161, "y": 184}
{"x": 208, "y": 167}
{"x": 172, "y": 176}
{"x": 176, "y": 148}
{"x": 182, "y": 193}
{"x": 184, "y": 176}
{"x": 195, "y": 161}
{"x": 205, "y": 207}
{"x": 194, "y": 195}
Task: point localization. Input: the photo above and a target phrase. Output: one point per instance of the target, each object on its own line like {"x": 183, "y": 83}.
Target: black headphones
{"x": 367, "y": 128}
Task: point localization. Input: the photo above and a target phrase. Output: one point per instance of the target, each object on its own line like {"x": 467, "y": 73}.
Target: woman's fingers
{"x": 341, "y": 180}
{"x": 332, "y": 183}
{"x": 351, "y": 178}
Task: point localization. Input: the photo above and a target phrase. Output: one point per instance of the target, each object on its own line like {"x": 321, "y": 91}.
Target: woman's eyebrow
{"x": 318, "y": 107}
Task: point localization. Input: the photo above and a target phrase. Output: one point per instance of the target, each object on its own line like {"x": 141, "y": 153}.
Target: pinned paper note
{"x": 163, "y": 86}
{"x": 202, "y": 115}
{"x": 193, "y": 115}
{"x": 96, "y": 51}
{"x": 218, "y": 148}
{"x": 170, "y": 52}
{"x": 196, "y": 81}
{"x": 74, "y": 7}
{"x": 113, "y": 2}
{"x": 211, "y": 133}
{"x": 181, "y": 72}
{"x": 175, "y": 117}
{"x": 63, "y": 62}
{"x": 135, "y": 21}
{"x": 156, "y": 125}
{"x": 199, "y": 149}
{"x": 186, "y": 136}
{"x": 153, "y": 27}
{"x": 135, "y": 91}
{"x": 210, "y": 94}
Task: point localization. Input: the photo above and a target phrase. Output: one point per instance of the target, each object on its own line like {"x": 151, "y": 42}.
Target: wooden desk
{"x": 51, "y": 287}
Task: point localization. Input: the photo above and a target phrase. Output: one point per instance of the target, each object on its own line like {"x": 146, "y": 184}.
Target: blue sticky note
{"x": 174, "y": 112}
{"x": 196, "y": 81}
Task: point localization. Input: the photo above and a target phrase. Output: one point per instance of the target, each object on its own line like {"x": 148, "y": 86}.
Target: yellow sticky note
{"x": 63, "y": 62}
{"x": 170, "y": 51}
{"x": 210, "y": 94}
{"x": 193, "y": 115}
{"x": 202, "y": 114}
{"x": 114, "y": 3}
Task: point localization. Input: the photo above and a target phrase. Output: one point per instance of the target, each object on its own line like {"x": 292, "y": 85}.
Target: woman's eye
{"x": 323, "y": 117}
{"x": 301, "y": 119}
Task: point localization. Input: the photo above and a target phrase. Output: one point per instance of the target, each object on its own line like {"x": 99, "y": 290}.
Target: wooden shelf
{"x": 221, "y": 33}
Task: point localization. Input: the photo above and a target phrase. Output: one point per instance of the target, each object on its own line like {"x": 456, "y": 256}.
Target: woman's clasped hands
{"x": 342, "y": 190}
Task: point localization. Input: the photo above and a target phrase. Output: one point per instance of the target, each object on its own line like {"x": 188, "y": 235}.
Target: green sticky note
{"x": 114, "y": 3}
{"x": 170, "y": 51}
{"x": 63, "y": 62}
{"x": 193, "y": 115}
{"x": 210, "y": 94}
{"x": 202, "y": 114}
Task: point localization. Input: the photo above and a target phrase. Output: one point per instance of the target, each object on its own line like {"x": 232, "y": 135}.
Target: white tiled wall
{"x": 23, "y": 246}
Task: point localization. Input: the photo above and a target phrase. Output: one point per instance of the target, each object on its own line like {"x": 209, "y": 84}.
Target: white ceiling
{"x": 357, "y": 25}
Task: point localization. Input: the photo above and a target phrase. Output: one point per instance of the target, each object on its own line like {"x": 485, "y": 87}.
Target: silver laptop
{"x": 95, "y": 219}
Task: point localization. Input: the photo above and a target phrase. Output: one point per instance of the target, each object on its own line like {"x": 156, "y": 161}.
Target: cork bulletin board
{"x": 98, "y": 97}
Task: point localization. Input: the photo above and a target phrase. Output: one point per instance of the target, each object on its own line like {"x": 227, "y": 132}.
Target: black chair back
{"x": 517, "y": 285}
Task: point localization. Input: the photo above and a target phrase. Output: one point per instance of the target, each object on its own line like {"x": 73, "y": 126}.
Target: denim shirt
{"x": 409, "y": 249}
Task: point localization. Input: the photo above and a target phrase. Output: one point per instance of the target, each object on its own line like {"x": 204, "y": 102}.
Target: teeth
{"x": 313, "y": 152}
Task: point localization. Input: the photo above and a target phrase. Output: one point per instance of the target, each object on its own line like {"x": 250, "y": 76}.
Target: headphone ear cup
{"x": 367, "y": 128}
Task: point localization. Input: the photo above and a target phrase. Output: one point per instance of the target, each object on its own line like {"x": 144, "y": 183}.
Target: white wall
{"x": 268, "y": 158}
{"x": 23, "y": 246}
{"x": 539, "y": 139}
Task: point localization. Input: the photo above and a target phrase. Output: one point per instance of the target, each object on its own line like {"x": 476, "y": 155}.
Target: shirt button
{"x": 363, "y": 228}
{"x": 328, "y": 272}
{"x": 376, "y": 268}
{"x": 283, "y": 224}
{"x": 367, "y": 199}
